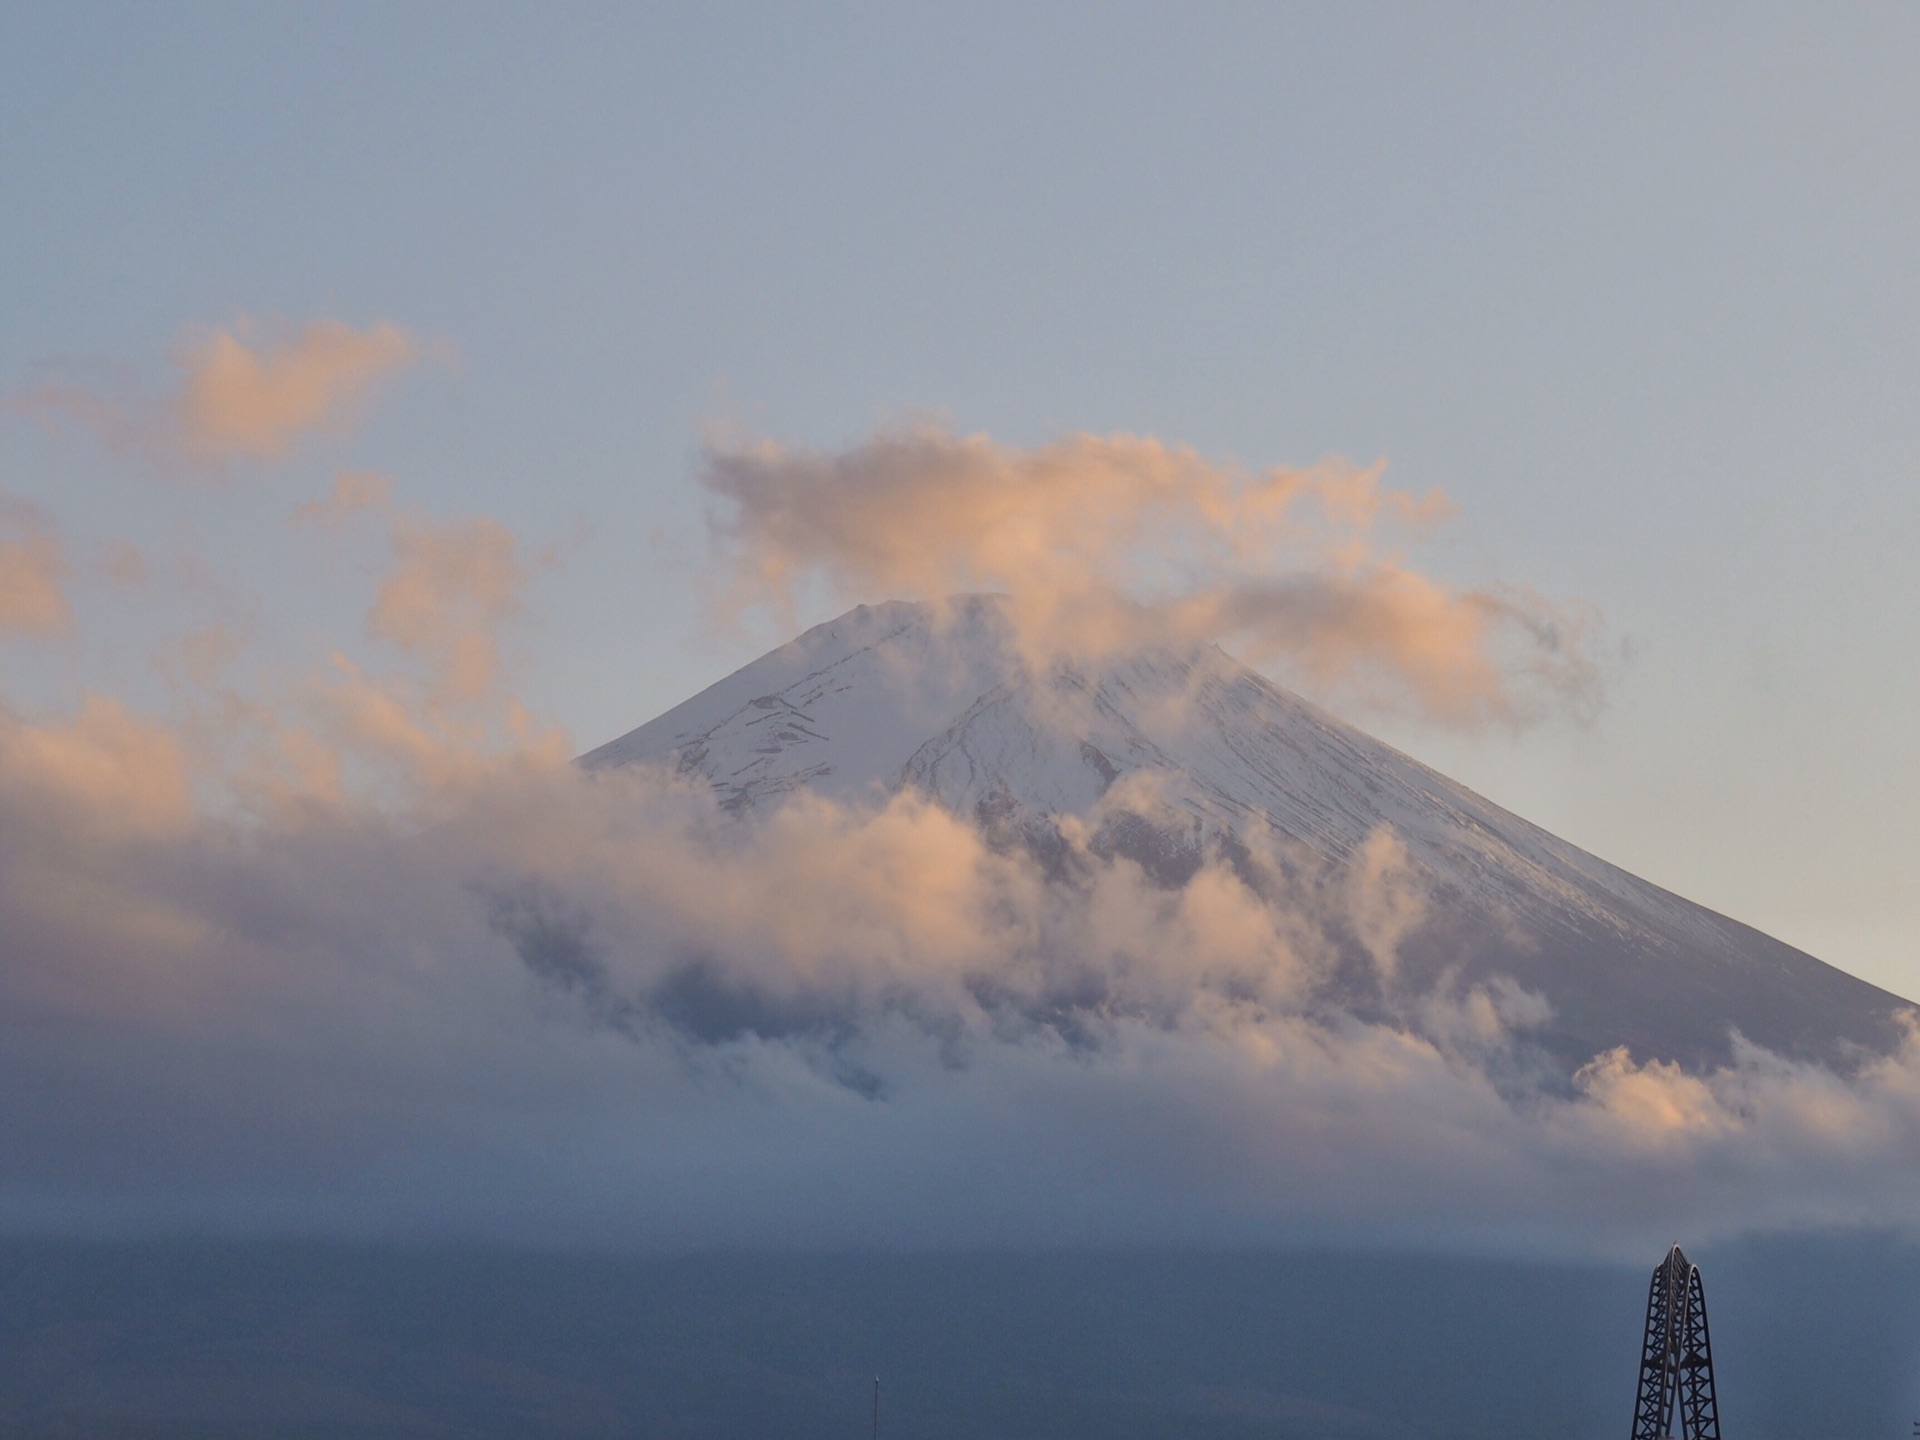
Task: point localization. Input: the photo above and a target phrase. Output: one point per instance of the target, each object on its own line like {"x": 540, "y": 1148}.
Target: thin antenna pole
{"x": 876, "y": 1407}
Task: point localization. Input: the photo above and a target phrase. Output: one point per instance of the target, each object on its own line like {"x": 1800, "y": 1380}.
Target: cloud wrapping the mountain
{"x": 364, "y": 953}
{"x": 1101, "y": 540}
{"x": 518, "y": 1000}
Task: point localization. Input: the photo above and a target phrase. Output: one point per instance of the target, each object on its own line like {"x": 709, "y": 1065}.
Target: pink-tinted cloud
{"x": 537, "y": 1002}
{"x": 354, "y": 493}
{"x": 244, "y": 393}
{"x": 450, "y": 589}
{"x": 256, "y": 399}
{"x": 33, "y": 571}
{"x": 1101, "y": 540}
{"x": 248, "y": 978}
{"x": 103, "y": 769}
{"x": 508, "y": 996}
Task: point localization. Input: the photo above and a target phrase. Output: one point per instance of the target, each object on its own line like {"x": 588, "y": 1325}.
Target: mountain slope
{"x": 897, "y": 695}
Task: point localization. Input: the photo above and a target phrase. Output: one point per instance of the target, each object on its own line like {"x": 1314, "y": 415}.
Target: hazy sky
{"x": 1637, "y": 286}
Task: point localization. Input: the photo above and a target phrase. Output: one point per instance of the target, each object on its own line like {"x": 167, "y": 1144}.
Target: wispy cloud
{"x": 354, "y": 493}
{"x": 250, "y": 392}
{"x": 33, "y": 569}
{"x": 449, "y": 588}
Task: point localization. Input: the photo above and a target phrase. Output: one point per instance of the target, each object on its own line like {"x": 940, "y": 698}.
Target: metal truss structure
{"x": 1676, "y": 1366}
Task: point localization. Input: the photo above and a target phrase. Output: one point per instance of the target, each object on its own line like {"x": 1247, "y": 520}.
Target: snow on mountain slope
{"x": 898, "y": 695}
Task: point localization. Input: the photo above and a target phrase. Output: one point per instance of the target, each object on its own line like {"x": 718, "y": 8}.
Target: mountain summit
{"x": 941, "y": 701}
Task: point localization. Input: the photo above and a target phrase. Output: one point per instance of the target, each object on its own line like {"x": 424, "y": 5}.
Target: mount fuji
{"x": 940, "y": 701}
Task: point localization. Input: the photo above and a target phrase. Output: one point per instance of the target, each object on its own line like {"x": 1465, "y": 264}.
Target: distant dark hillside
{"x": 183, "y": 1341}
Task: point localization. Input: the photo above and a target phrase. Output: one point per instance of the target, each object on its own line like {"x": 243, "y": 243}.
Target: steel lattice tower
{"x": 1676, "y": 1366}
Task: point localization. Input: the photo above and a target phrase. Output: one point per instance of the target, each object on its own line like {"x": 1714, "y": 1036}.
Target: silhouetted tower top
{"x": 1676, "y": 1363}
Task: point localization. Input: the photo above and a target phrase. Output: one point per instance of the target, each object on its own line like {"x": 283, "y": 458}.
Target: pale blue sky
{"x": 1637, "y": 285}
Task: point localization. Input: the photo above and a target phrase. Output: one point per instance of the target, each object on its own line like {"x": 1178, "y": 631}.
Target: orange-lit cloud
{"x": 33, "y": 568}
{"x": 362, "y": 950}
{"x": 354, "y": 492}
{"x": 255, "y": 400}
{"x": 244, "y": 393}
{"x": 1101, "y": 541}
{"x": 105, "y": 767}
{"x": 299, "y": 976}
{"x": 844, "y": 1010}
{"x": 450, "y": 589}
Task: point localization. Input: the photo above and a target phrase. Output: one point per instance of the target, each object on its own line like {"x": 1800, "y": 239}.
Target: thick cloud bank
{"x": 530, "y": 1001}
{"x": 364, "y": 952}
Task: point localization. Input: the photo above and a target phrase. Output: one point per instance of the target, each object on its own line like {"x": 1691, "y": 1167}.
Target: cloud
{"x": 450, "y": 586}
{"x": 536, "y": 1003}
{"x": 104, "y": 770}
{"x": 450, "y": 589}
{"x": 1100, "y": 539}
{"x": 354, "y": 493}
{"x": 244, "y": 393}
{"x": 33, "y": 568}
{"x": 365, "y": 953}
{"x": 256, "y": 400}
{"x": 516, "y": 999}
